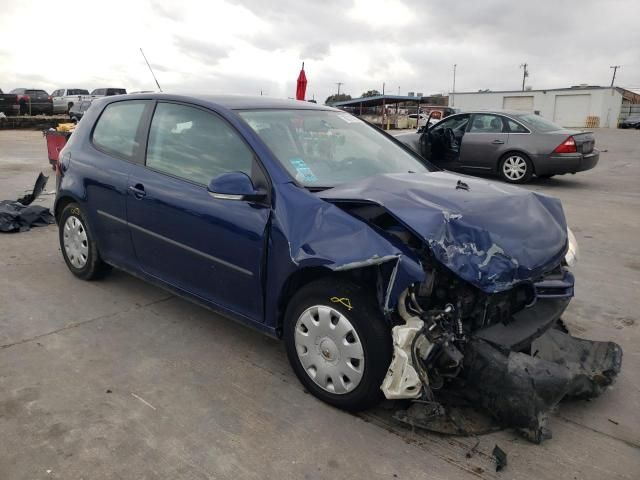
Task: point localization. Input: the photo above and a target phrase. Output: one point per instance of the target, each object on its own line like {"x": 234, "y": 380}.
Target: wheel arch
{"x": 365, "y": 276}
{"x": 61, "y": 203}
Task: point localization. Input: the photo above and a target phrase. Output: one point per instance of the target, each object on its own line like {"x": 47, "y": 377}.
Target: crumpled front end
{"x": 481, "y": 328}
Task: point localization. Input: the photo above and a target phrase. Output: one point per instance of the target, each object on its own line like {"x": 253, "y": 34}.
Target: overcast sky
{"x": 245, "y": 46}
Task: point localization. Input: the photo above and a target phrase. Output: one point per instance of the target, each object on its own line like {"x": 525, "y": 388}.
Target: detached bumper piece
{"x": 518, "y": 390}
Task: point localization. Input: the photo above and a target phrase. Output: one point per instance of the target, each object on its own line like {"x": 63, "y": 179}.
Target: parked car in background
{"x": 65, "y": 98}
{"x": 33, "y": 101}
{"x": 77, "y": 111}
{"x": 631, "y": 122}
{"x": 9, "y": 103}
{"x": 514, "y": 145}
{"x": 422, "y": 119}
{"x": 236, "y": 204}
{"x": 107, "y": 92}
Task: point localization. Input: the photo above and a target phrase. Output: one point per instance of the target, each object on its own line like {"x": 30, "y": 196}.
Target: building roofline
{"x": 570, "y": 89}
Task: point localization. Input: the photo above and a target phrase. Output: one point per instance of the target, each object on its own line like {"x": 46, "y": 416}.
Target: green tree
{"x": 337, "y": 98}
{"x": 370, "y": 93}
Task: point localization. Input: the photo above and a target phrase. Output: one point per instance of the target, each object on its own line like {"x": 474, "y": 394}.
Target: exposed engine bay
{"x": 460, "y": 348}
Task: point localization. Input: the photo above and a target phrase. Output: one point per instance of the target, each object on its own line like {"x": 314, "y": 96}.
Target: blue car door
{"x": 209, "y": 247}
{"x": 116, "y": 145}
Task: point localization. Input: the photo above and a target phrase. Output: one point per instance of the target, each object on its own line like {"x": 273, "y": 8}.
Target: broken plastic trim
{"x": 519, "y": 390}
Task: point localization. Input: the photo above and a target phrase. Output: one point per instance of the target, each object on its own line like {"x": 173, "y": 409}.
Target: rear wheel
{"x": 78, "y": 246}
{"x": 516, "y": 168}
{"x": 338, "y": 343}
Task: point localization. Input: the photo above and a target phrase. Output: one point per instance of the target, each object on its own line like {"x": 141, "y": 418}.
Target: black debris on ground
{"x": 19, "y": 215}
{"x": 501, "y": 458}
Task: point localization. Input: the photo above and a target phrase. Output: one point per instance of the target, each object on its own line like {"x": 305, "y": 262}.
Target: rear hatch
{"x": 38, "y": 96}
{"x": 7, "y": 100}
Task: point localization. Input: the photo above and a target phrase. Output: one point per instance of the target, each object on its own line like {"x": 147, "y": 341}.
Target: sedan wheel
{"x": 329, "y": 349}
{"x": 515, "y": 168}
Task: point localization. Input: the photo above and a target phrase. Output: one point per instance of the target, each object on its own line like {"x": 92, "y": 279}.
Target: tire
{"x": 69, "y": 105}
{"x": 365, "y": 334}
{"x": 78, "y": 246}
{"x": 508, "y": 171}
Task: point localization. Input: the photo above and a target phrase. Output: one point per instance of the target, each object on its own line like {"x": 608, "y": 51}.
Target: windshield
{"x": 326, "y": 148}
{"x": 539, "y": 123}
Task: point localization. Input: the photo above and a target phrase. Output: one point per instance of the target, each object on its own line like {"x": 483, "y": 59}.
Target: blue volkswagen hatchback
{"x": 311, "y": 225}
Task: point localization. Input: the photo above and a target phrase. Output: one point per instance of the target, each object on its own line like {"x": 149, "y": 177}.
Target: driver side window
{"x": 195, "y": 145}
{"x": 457, "y": 123}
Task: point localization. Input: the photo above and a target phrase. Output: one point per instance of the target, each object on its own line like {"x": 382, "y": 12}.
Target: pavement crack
{"x": 84, "y": 322}
{"x": 627, "y": 442}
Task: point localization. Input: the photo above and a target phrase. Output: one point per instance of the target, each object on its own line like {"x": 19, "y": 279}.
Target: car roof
{"x": 513, "y": 113}
{"x": 240, "y": 102}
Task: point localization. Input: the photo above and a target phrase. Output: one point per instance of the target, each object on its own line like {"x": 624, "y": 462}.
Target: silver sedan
{"x": 514, "y": 145}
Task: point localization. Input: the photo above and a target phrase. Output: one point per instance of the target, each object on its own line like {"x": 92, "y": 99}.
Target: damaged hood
{"x": 489, "y": 234}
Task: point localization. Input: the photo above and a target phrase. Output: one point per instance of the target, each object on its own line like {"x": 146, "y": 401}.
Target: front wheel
{"x": 338, "y": 343}
{"x": 516, "y": 168}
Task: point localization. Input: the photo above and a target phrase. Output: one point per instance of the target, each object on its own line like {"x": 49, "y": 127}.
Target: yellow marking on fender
{"x": 75, "y": 211}
{"x": 343, "y": 300}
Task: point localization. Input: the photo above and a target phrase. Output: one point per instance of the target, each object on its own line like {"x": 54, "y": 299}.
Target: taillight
{"x": 49, "y": 97}
{"x": 568, "y": 146}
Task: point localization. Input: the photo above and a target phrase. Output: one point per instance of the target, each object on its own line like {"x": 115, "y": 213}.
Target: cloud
{"x": 206, "y": 52}
{"x": 244, "y": 46}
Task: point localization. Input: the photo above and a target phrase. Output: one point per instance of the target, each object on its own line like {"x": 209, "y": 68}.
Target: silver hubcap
{"x": 329, "y": 349}
{"x": 75, "y": 242}
{"x": 514, "y": 167}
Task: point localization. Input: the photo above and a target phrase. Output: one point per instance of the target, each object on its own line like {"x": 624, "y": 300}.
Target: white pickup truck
{"x": 65, "y": 98}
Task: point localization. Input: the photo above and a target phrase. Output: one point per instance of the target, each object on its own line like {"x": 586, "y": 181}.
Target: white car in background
{"x": 422, "y": 120}
{"x": 65, "y": 98}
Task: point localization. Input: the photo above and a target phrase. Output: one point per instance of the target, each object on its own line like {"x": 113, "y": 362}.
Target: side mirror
{"x": 235, "y": 186}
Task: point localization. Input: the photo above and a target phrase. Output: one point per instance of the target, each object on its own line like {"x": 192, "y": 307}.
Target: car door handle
{"x": 137, "y": 190}
{"x": 498, "y": 142}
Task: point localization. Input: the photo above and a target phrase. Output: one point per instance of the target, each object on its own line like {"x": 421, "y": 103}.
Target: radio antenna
{"x": 150, "y": 69}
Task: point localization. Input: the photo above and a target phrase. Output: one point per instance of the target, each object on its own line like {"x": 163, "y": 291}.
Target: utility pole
{"x": 453, "y": 90}
{"x": 615, "y": 69}
{"x": 339, "y": 84}
{"x": 525, "y": 73}
{"x": 398, "y": 91}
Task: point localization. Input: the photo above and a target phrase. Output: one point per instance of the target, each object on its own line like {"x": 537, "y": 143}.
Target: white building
{"x": 580, "y": 106}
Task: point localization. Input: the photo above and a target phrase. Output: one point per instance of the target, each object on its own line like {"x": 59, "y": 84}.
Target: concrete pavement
{"x": 120, "y": 379}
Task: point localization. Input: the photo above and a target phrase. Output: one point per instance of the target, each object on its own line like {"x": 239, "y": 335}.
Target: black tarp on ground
{"x": 19, "y": 215}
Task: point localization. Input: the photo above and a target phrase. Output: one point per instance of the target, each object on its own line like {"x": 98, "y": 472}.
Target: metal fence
{"x": 628, "y": 110}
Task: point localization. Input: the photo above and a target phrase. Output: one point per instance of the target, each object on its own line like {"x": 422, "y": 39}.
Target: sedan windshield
{"x": 539, "y": 123}
{"x": 326, "y": 148}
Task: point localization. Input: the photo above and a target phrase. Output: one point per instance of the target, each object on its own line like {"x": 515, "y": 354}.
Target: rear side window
{"x": 515, "y": 127}
{"x": 77, "y": 91}
{"x": 115, "y": 91}
{"x": 117, "y": 129}
{"x": 196, "y": 145}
